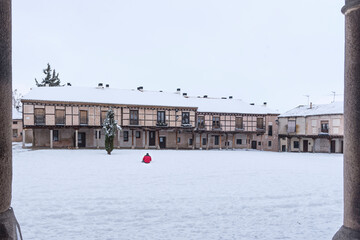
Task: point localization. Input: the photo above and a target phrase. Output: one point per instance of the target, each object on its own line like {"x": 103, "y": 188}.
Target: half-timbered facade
{"x": 70, "y": 117}
{"x": 314, "y": 128}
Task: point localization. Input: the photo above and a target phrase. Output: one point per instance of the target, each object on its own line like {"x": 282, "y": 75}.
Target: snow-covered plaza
{"x": 216, "y": 194}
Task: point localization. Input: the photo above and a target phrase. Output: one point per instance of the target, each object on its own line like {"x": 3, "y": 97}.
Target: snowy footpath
{"x": 87, "y": 194}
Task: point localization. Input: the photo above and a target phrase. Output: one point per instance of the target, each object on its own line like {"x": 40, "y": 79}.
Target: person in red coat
{"x": 147, "y": 158}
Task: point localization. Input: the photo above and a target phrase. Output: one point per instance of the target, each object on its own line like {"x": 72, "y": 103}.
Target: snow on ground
{"x": 86, "y": 194}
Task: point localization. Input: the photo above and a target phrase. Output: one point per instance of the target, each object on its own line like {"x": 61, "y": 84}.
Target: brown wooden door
{"x": 253, "y": 144}
{"x": 162, "y": 142}
{"x": 305, "y": 146}
{"x": 152, "y": 137}
{"x": 333, "y": 144}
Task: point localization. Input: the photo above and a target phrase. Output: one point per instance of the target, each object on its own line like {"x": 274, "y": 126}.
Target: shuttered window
{"x": 60, "y": 117}
{"x": 39, "y": 116}
{"x": 291, "y": 126}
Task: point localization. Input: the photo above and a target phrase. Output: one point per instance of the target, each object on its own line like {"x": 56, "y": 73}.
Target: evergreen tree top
{"x": 51, "y": 78}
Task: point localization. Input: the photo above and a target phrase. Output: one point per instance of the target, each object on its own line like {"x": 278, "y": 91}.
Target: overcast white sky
{"x": 274, "y": 51}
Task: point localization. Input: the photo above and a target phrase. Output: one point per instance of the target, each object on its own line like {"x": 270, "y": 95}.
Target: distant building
{"x": 71, "y": 117}
{"x": 314, "y": 128}
{"x": 17, "y": 125}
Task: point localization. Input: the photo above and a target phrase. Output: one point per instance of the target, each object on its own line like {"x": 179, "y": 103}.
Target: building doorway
{"x": 333, "y": 145}
{"x": 305, "y": 146}
{"x": 162, "y": 143}
{"x": 81, "y": 139}
{"x": 152, "y": 138}
{"x": 253, "y": 144}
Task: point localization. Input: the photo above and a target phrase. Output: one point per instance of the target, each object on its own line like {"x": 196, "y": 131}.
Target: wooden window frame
{"x": 216, "y": 122}
{"x": 260, "y": 123}
{"x": 39, "y": 119}
{"x": 134, "y": 117}
{"x": 239, "y": 123}
{"x": 270, "y": 130}
{"x": 185, "y": 118}
{"x": 161, "y": 118}
{"x": 126, "y": 136}
{"x": 60, "y": 120}
{"x": 201, "y": 122}
{"x": 322, "y": 124}
{"x": 56, "y": 136}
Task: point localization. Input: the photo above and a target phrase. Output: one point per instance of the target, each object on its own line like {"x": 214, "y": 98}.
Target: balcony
{"x": 186, "y": 125}
{"x": 161, "y": 124}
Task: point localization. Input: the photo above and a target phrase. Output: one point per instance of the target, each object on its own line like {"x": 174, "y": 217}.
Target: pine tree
{"x": 110, "y": 127}
{"x": 52, "y": 80}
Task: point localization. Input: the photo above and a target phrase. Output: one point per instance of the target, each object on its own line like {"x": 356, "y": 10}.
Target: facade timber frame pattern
{"x": 177, "y": 126}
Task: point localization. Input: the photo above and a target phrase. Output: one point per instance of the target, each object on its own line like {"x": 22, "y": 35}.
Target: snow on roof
{"x": 142, "y": 98}
{"x": 228, "y": 106}
{"x": 321, "y": 109}
{"x": 16, "y": 114}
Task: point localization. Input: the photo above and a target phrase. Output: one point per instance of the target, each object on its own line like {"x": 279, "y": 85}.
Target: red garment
{"x": 147, "y": 159}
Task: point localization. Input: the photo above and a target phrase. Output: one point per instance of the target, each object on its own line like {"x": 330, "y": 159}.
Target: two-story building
{"x": 72, "y": 117}
{"x": 17, "y": 125}
{"x": 314, "y": 128}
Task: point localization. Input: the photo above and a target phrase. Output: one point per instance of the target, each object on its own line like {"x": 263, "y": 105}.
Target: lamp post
{"x": 351, "y": 224}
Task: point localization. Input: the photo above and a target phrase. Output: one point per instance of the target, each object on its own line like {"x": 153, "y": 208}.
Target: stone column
{"x": 194, "y": 140}
{"x": 351, "y": 224}
{"x": 233, "y": 141}
{"x": 23, "y": 138}
{"x": 207, "y": 141}
{"x": 176, "y": 139}
{"x": 76, "y": 139}
{"x": 7, "y": 218}
{"x": 132, "y": 140}
{"x": 220, "y": 141}
{"x": 146, "y": 140}
{"x": 51, "y": 138}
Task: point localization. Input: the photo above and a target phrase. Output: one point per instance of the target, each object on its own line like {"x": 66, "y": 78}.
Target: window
{"x": 216, "y": 123}
{"x": 138, "y": 134}
{"x": 134, "y": 117}
{"x": 201, "y": 122}
{"x": 39, "y": 116}
{"x": 190, "y": 141}
{"x": 161, "y": 118}
{"x": 185, "y": 118}
{"x": 270, "y": 132}
{"x": 324, "y": 126}
{"x": 15, "y": 133}
{"x": 60, "y": 117}
{"x": 204, "y": 141}
{"x": 15, "y": 122}
{"x": 259, "y": 143}
{"x": 55, "y": 135}
{"x": 216, "y": 140}
{"x": 238, "y": 141}
{"x": 296, "y": 144}
{"x": 126, "y": 136}
{"x": 260, "y": 123}
{"x": 239, "y": 123}
{"x": 269, "y": 143}
{"x": 83, "y": 117}
{"x": 178, "y": 140}
{"x": 291, "y": 126}
{"x": 98, "y": 134}
{"x": 103, "y": 117}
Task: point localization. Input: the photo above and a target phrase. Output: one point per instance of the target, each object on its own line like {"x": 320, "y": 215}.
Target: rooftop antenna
{"x": 334, "y": 96}
{"x": 308, "y": 99}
